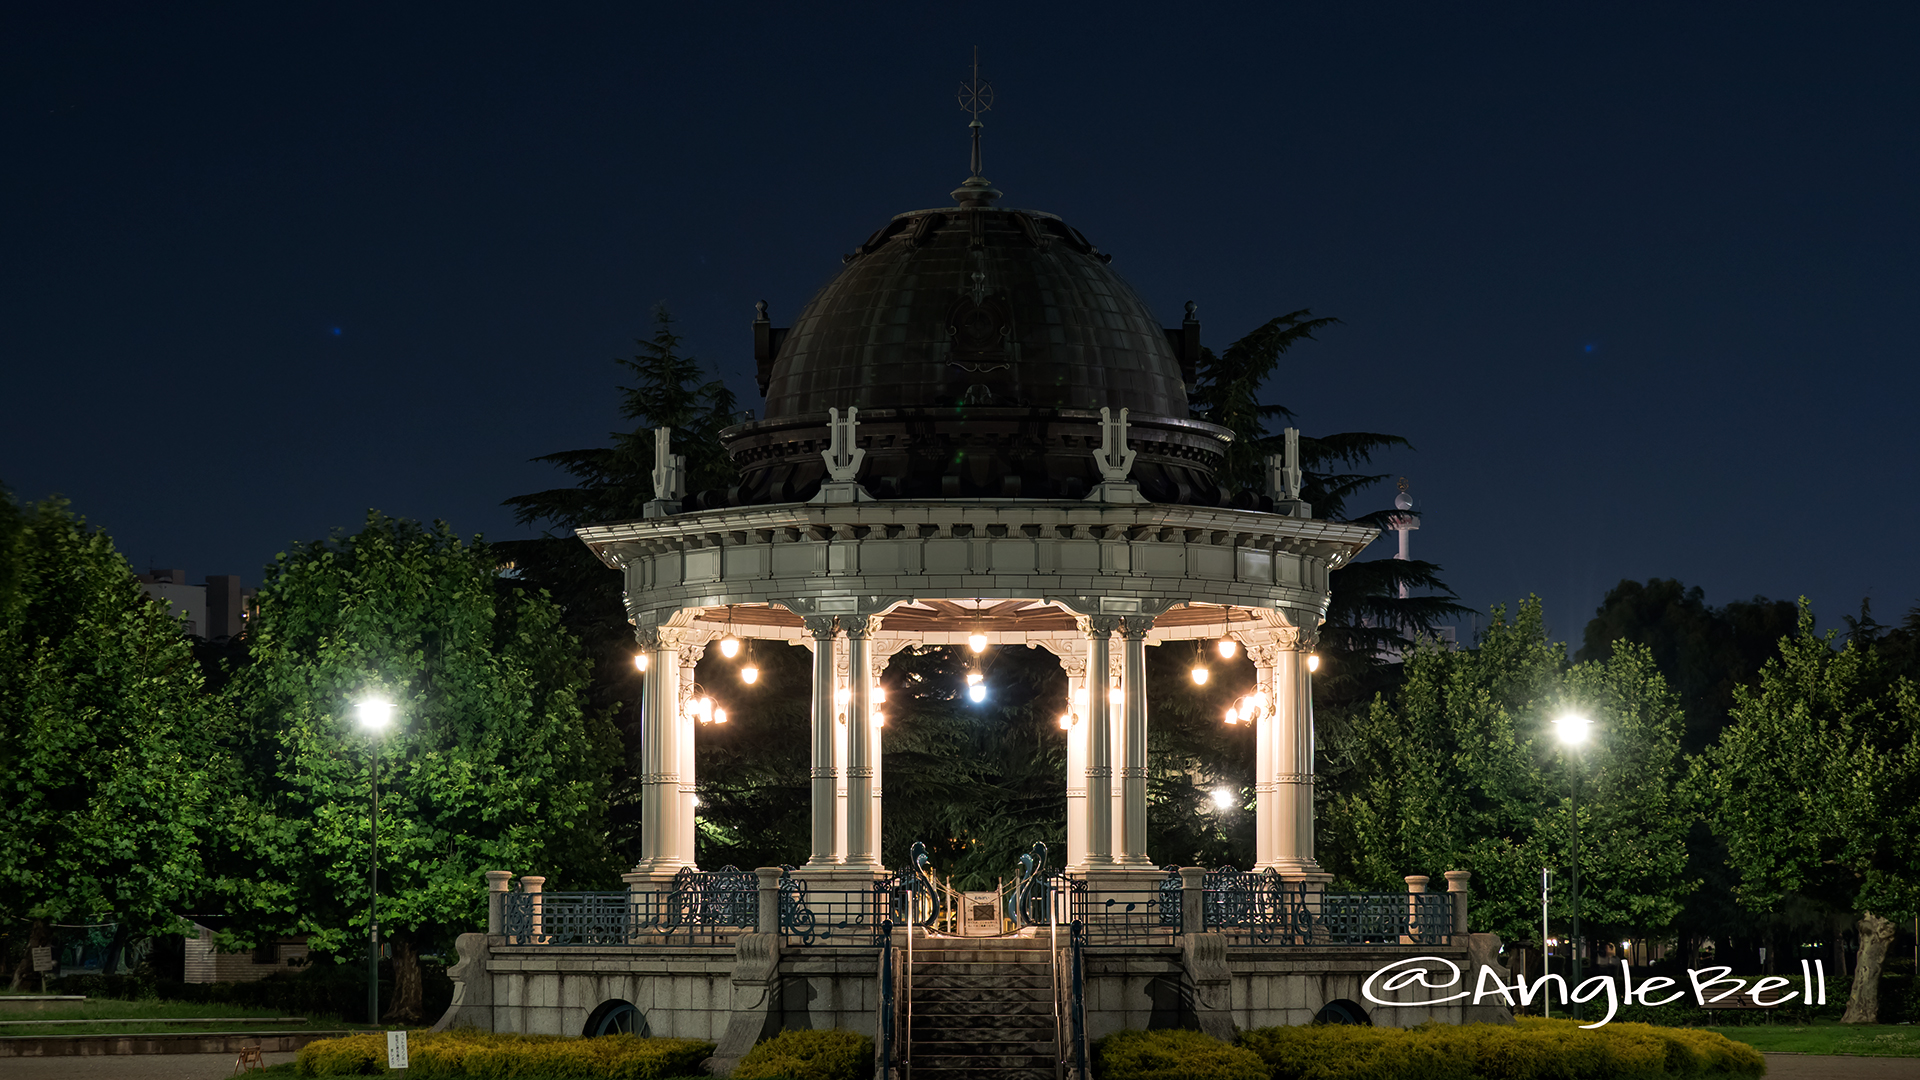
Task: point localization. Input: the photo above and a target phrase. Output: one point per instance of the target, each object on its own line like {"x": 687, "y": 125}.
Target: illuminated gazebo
{"x": 977, "y": 429}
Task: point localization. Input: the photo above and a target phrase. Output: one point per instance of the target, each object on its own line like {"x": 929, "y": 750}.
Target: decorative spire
{"x": 976, "y": 97}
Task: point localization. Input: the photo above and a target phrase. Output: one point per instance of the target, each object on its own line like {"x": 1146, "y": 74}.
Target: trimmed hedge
{"x": 1528, "y": 1049}
{"x": 808, "y": 1055}
{"x": 1173, "y": 1054}
{"x": 479, "y": 1055}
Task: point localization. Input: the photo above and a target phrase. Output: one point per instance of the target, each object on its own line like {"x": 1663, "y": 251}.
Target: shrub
{"x": 1171, "y": 1054}
{"x": 808, "y": 1055}
{"x": 1529, "y": 1049}
{"x": 479, "y": 1055}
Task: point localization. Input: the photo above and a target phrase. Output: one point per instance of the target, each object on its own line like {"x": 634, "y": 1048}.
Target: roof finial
{"x": 976, "y": 97}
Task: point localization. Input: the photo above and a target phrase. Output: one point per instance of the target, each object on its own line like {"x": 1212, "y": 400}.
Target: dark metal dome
{"x": 979, "y": 344}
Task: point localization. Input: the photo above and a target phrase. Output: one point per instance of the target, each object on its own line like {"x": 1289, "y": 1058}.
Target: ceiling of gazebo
{"x": 1002, "y": 621}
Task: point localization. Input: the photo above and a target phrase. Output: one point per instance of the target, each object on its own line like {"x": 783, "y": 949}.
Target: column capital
{"x": 820, "y": 626}
{"x": 691, "y": 654}
{"x": 1297, "y": 638}
{"x": 1098, "y": 625}
{"x": 1263, "y": 655}
{"x": 1135, "y": 627}
{"x": 858, "y": 626}
{"x": 655, "y": 638}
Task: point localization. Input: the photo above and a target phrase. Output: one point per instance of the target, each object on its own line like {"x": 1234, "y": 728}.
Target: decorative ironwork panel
{"x": 1125, "y": 916}
{"x": 725, "y": 897}
{"x": 823, "y": 919}
{"x": 1170, "y": 897}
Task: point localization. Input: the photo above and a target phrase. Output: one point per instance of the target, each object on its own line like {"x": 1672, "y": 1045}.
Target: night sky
{"x": 1637, "y": 281}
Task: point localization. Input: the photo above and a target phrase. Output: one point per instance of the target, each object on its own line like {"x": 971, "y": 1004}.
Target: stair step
{"x": 971, "y": 1064}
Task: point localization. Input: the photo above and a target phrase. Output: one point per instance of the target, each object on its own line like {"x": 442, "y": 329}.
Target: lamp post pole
{"x": 373, "y": 900}
{"x": 1573, "y": 732}
{"x": 374, "y": 716}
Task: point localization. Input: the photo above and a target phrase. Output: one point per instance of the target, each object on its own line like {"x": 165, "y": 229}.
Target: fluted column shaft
{"x": 1099, "y": 630}
{"x": 825, "y": 772}
{"x": 1293, "y": 752}
{"x": 688, "y": 797}
{"x": 659, "y": 751}
{"x": 859, "y": 743}
{"x": 1133, "y": 767}
{"x": 1266, "y": 761}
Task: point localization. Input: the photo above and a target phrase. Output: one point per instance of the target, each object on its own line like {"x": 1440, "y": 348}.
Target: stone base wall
{"x": 1155, "y": 987}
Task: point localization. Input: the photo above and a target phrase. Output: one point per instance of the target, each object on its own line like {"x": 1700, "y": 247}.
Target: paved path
{"x": 127, "y": 1067}
{"x": 1825, "y": 1067}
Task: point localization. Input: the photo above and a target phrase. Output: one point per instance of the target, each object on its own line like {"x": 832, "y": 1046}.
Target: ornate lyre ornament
{"x": 843, "y": 457}
{"x": 1116, "y": 457}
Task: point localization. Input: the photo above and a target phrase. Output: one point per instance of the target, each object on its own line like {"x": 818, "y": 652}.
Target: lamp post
{"x": 375, "y": 714}
{"x": 1573, "y": 732}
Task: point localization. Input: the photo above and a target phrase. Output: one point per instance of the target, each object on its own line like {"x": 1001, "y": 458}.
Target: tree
{"x": 1460, "y": 769}
{"x": 107, "y": 744}
{"x": 493, "y": 762}
{"x": 1815, "y": 789}
{"x": 614, "y": 483}
{"x": 1704, "y": 651}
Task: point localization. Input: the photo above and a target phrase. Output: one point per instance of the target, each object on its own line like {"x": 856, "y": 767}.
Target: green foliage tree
{"x": 1815, "y": 788}
{"x": 107, "y": 744}
{"x": 1460, "y": 769}
{"x": 492, "y": 763}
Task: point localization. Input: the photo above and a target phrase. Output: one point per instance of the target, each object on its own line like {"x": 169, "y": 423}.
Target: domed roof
{"x": 976, "y": 305}
{"x": 979, "y": 344}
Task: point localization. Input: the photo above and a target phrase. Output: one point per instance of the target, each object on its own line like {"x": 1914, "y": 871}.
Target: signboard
{"x": 979, "y": 914}
{"x": 43, "y": 959}
{"x": 396, "y": 1049}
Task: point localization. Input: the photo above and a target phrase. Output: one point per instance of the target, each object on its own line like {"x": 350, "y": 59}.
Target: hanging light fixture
{"x": 878, "y": 695}
{"x": 1313, "y": 661}
{"x": 729, "y": 645}
{"x": 1228, "y": 647}
{"x": 719, "y": 716}
{"x": 1115, "y": 695}
{"x": 977, "y": 641}
{"x": 1199, "y": 669}
{"x": 879, "y": 718}
{"x": 750, "y": 671}
{"x": 1233, "y": 714}
{"x": 1066, "y": 721}
{"x": 640, "y": 662}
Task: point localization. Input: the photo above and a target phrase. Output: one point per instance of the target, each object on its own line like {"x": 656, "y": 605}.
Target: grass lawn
{"x": 181, "y": 1016}
{"x": 1867, "y": 1040}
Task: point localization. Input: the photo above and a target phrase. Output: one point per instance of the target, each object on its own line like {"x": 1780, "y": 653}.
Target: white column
{"x": 825, "y": 774}
{"x": 880, "y": 653}
{"x": 1133, "y": 767}
{"x": 1266, "y": 813}
{"x": 1073, "y": 660}
{"x": 660, "y": 751}
{"x": 1099, "y": 630}
{"x": 842, "y": 691}
{"x": 684, "y": 848}
{"x": 1293, "y": 743}
{"x": 860, "y": 853}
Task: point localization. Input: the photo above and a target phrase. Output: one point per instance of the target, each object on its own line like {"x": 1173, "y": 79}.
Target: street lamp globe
{"x": 1573, "y": 728}
{"x": 375, "y": 713}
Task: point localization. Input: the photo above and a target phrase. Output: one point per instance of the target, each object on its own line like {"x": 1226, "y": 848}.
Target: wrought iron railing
{"x": 855, "y": 918}
{"x": 701, "y": 909}
{"x": 1262, "y": 909}
{"x": 1119, "y": 916}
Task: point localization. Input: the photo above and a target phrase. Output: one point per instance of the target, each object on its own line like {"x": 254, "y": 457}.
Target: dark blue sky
{"x": 1638, "y": 281}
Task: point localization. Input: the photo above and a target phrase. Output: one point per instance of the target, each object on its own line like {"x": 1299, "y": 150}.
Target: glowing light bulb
{"x": 1080, "y": 700}
{"x": 978, "y": 692}
{"x": 1223, "y": 799}
{"x": 878, "y": 695}
{"x": 1313, "y": 661}
{"x": 879, "y": 718}
{"x": 1228, "y": 647}
{"x": 719, "y": 716}
{"x": 973, "y": 678}
{"x": 1066, "y": 721}
{"x": 729, "y": 646}
{"x": 640, "y": 662}
{"x": 1116, "y": 696}
{"x": 375, "y": 713}
{"x": 842, "y": 696}
{"x": 1233, "y": 715}
{"x": 749, "y": 674}
{"x": 977, "y": 642}
{"x": 1573, "y": 728}
{"x": 1199, "y": 675}
{"x": 1260, "y": 699}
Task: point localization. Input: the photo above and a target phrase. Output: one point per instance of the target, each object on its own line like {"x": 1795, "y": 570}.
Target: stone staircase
{"x": 982, "y": 1007}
